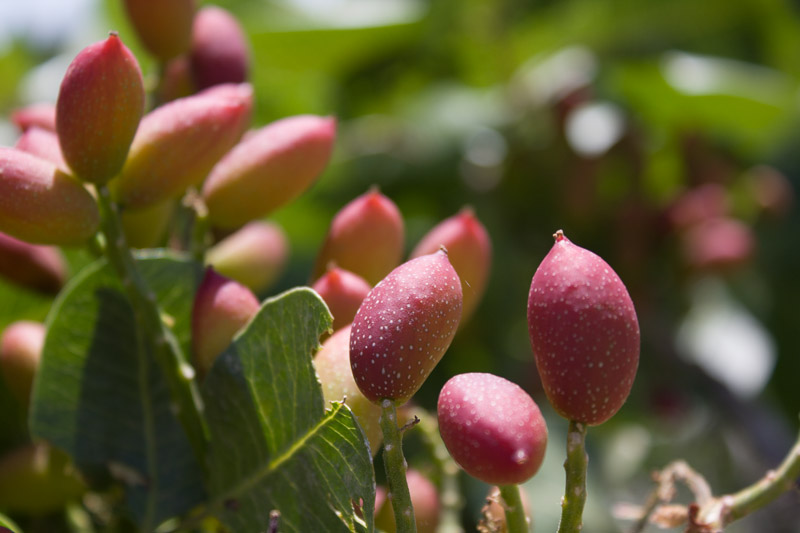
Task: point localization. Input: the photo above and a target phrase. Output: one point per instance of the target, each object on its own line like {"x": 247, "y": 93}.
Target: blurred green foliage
{"x": 447, "y": 103}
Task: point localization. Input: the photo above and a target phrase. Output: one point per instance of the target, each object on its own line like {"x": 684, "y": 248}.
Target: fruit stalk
{"x": 768, "y": 488}
{"x": 179, "y": 375}
{"x": 396, "y": 468}
{"x": 575, "y": 491}
{"x": 515, "y": 513}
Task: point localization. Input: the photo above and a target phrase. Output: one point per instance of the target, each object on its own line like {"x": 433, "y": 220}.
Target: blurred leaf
{"x": 273, "y": 447}
{"x": 7, "y": 522}
{"x": 103, "y": 400}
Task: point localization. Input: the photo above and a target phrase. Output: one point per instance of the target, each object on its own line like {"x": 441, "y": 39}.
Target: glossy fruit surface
{"x": 492, "y": 428}
{"x": 343, "y": 291}
{"x": 20, "y": 351}
{"x": 219, "y": 51}
{"x": 404, "y": 326}
{"x": 584, "y": 333}
{"x": 41, "y": 268}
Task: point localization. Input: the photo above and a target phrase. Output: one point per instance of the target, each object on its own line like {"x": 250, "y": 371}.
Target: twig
{"x": 575, "y": 492}
{"x": 396, "y": 467}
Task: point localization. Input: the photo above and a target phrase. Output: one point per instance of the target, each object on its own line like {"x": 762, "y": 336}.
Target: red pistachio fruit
{"x": 584, "y": 333}
{"x": 365, "y": 237}
{"x": 20, "y": 351}
{"x": 469, "y": 250}
{"x": 40, "y": 204}
{"x": 343, "y": 291}
{"x": 269, "y": 168}
{"x": 219, "y": 51}
{"x": 100, "y": 103}
{"x": 41, "y": 268}
{"x": 404, "y": 326}
{"x": 424, "y": 499}
{"x": 41, "y": 115}
{"x": 178, "y": 143}
{"x": 255, "y": 255}
{"x": 492, "y": 428}
{"x": 44, "y": 144}
{"x": 332, "y": 363}
{"x": 164, "y": 26}
{"x": 221, "y": 308}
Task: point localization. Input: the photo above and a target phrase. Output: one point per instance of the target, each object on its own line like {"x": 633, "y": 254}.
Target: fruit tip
{"x": 559, "y": 235}
{"x": 443, "y": 248}
{"x": 113, "y": 33}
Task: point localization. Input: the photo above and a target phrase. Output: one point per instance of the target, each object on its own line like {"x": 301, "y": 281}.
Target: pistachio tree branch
{"x": 575, "y": 491}
{"x": 179, "y": 374}
{"x": 395, "y": 464}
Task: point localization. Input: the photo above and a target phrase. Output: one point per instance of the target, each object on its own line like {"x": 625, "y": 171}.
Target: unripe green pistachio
{"x": 332, "y": 363}
{"x": 100, "y": 104}
{"x": 40, "y": 204}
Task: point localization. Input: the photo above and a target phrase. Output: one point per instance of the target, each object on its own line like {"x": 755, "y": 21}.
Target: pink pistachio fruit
{"x": 269, "y": 168}
{"x": 44, "y": 144}
{"x": 164, "y": 26}
{"x": 100, "y": 104}
{"x": 365, "y": 237}
{"x": 469, "y": 250}
{"x": 41, "y": 115}
{"x": 404, "y": 326}
{"x": 20, "y": 351}
{"x": 343, "y": 291}
{"x": 332, "y": 363}
{"x": 219, "y": 51}
{"x": 178, "y": 143}
{"x": 221, "y": 308}
{"x": 255, "y": 255}
{"x": 584, "y": 333}
{"x": 492, "y": 428}
{"x": 36, "y": 267}
{"x": 40, "y": 204}
{"x": 718, "y": 245}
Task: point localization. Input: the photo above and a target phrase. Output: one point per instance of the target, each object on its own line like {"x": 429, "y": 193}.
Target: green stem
{"x": 516, "y": 521}
{"x": 200, "y": 225}
{"x": 396, "y": 468}
{"x": 187, "y": 403}
{"x": 575, "y": 492}
{"x": 447, "y": 471}
{"x": 767, "y": 489}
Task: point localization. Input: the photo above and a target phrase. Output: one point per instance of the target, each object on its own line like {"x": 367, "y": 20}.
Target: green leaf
{"x": 273, "y": 446}
{"x": 8, "y": 523}
{"x": 103, "y": 399}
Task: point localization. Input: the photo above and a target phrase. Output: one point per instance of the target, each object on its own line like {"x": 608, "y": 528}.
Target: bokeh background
{"x": 662, "y": 135}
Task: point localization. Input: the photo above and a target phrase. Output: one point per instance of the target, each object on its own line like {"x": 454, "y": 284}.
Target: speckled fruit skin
{"x": 41, "y": 268}
{"x": 424, "y": 499}
{"x": 179, "y": 143}
{"x": 469, "y": 249}
{"x": 492, "y": 428}
{"x": 404, "y": 326}
{"x": 271, "y": 167}
{"x": 20, "y": 351}
{"x": 221, "y": 308}
{"x": 100, "y": 104}
{"x": 584, "y": 333}
{"x": 332, "y": 363}
{"x": 365, "y": 237}
{"x": 255, "y": 255}
{"x": 343, "y": 291}
{"x": 164, "y": 26}
{"x": 219, "y": 52}
{"x": 40, "y": 204}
